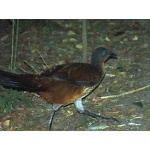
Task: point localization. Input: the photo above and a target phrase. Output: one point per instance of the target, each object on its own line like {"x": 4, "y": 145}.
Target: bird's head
{"x": 102, "y": 55}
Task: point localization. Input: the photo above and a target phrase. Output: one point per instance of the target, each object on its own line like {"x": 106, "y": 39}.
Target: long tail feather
{"x": 20, "y": 82}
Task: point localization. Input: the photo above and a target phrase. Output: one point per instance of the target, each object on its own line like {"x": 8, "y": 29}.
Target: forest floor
{"x": 127, "y": 79}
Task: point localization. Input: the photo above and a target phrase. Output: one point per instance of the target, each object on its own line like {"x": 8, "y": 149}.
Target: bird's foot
{"x": 105, "y": 119}
{"x": 98, "y": 117}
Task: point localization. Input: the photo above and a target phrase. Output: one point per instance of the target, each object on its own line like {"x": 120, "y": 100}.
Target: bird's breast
{"x": 64, "y": 93}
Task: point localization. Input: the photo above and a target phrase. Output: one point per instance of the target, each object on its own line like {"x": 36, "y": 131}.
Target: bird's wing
{"x": 76, "y": 73}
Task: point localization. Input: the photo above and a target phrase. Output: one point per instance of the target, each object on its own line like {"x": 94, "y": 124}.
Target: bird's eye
{"x": 105, "y": 53}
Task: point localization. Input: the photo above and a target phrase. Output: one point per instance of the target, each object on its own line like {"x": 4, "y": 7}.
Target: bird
{"x": 64, "y": 84}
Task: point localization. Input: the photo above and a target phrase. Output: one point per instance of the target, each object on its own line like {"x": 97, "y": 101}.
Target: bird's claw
{"x": 100, "y": 118}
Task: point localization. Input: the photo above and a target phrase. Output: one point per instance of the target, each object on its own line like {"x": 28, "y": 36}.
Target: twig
{"x": 84, "y": 38}
{"x": 12, "y": 46}
{"x": 16, "y": 44}
{"x": 15, "y": 33}
{"x": 125, "y": 93}
{"x": 23, "y": 70}
{"x": 31, "y": 67}
{"x": 42, "y": 59}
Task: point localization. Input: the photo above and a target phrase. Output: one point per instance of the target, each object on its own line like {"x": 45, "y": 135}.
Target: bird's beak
{"x": 111, "y": 55}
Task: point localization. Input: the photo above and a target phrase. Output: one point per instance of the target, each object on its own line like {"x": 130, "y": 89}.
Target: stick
{"x": 31, "y": 67}
{"x": 42, "y": 59}
{"x": 126, "y": 93}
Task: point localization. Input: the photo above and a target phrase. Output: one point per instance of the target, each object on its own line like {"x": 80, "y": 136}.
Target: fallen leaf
{"x": 71, "y": 33}
{"x": 79, "y": 46}
{"x": 7, "y": 122}
{"x": 107, "y": 39}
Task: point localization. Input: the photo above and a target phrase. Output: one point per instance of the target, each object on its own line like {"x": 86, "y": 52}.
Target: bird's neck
{"x": 99, "y": 64}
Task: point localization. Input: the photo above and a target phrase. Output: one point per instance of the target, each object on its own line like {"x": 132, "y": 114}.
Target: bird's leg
{"x": 79, "y": 107}
{"x": 51, "y": 119}
{"x": 55, "y": 107}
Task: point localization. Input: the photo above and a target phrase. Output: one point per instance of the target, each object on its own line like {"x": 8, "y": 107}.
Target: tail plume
{"x": 20, "y": 82}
